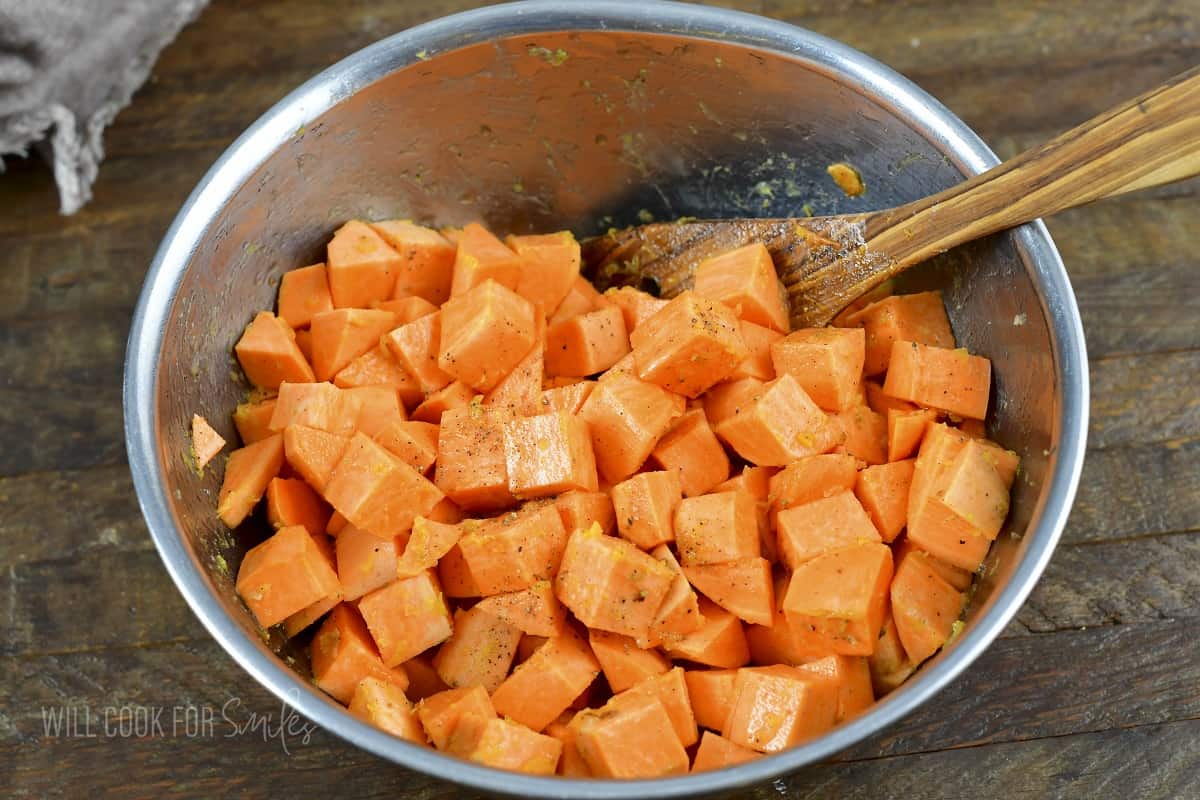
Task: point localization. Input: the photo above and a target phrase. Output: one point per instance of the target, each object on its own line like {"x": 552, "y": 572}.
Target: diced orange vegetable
{"x": 434, "y": 407}
{"x": 905, "y": 429}
{"x": 636, "y": 306}
{"x": 313, "y": 453}
{"x": 504, "y": 744}
{"x": 779, "y": 706}
{"x": 883, "y": 492}
{"x": 361, "y": 266}
{"x": 756, "y": 481}
{"x": 344, "y": 334}
{"x": 268, "y": 353}
{"x": 717, "y": 752}
{"x": 377, "y": 491}
{"x": 715, "y": 528}
{"x": 809, "y": 530}
{"x": 627, "y": 418}
{"x": 711, "y": 695}
{"x": 908, "y": 317}
{"x": 253, "y": 420}
{"x": 581, "y": 509}
{"x": 343, "y": 654}
{"x": 406, "y": 309}
{"x": 485, "y": 333}
{"x": 645, "y": 506}
{"x": 671, "y": 688}
{"x": 415, "y": 345}
{"x": 745, "y": 279}
{"x": 315, "y": 405}
{"x": 293, "y": 502}
{"x": 571, "y": 764}
{"x": 365, "y": 562}
{"x": 304, "y": 342}
{"x": 283, "y": 575}
{"x": 729, "y": 400}
{"x": 514, "y": 551}
{"x": 376, "y": 367}
{"x": 758, "y": 363}
{"x": 384, "y": 705}
{"x": 609, "y": 584}
{"x": 742, "y": 587}
{"x": 624, "y": 663}
{"x": 631, "y": 736}
{"x": 423, "y": 680}
{"x": 471, "y": 467}
{"x": 837, "y": 600}
{"x": 549, "y": 454}
{"x": 407, "y": 617}
{"x": 853, "y": 679}
{"x": 812, "y": 478}
{"x": 826, "y": 362}
{"x": 337, "y": 523}
{"x": 881, "y": 403}
{"x": 206, "y": 442}
{"x": 482, "y": 257}
{"x": 303, "y": 293}
{"x": 779, "y": 426}
{"x": 679, "y": 614}
{"x": 479, "y": 652}
{"x": 587, "y": 343}
{"x": 301, "y": 620}
{"x": 378, "y": 408}
{"x": 864, "y": 433}
{"x": 455, "y": 575}
{"x": 957, "y": 577}
{"x": 566, "y": 398}
{"x": 440, "y": 713}
{"x": 719, "y": 642}
{"x": 414, "y": 443}
{"x": 536, "y": 610}
{"x": 691, "y": 450}
{"x": 428, "y": 542}
{"x": 936, "y": 377}
{"x": 777, "y": 643}
{"x": 544, "y": 686}
{"x": 581, "y": 298}
{"x": 890, "y": 666}
{"x": 924, "y": 606}
{"x": 426, "y": 263}
{"x": 690, "y": 345}
{"x": 520, "y": 391}
{"x": 247, "y": 473}
{"x": 549, "y": 266}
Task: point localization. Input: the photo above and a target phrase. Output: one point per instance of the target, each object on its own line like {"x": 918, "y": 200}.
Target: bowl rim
{"x": 858, "y": 72}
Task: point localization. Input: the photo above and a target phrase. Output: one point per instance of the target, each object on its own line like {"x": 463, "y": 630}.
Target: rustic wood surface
{"x": 1094, "y": 690}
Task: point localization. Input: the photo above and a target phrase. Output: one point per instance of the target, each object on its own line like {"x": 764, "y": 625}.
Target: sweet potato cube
{"x": 758, "y": 363}
{"x": 406, "y": 309}
{"x": 485, "y": 334}
{"x": 268, "y": 353}
{"x": 645, "y": 506}
{"x": 253, "y": 420}
{"x": 407, "y": 617}
{"x": 809, "y": 530}
{"x": 624, "y": 663}
{"x": 690, "y": 345}
{"x": 343, "y": 654}
{"x": 636, "y": 306}
{"x": 826, "y": 362}
{"x": 303, "y": 293}
{"x": 715, "y": 528}
{"x": 609, "y": 584}
{"x": 812, "y": 478}
{"x": 514, "y": 551}
{"x": 471, "y": 465}
{"x": 302, "y": 619}
{"x": 293, "y": 502}
{"x": 777, "y": 644}
{"x": 730, "y": 400}
{"x": 586, "y": 344}
{"x": 344, "y": 334}
{"x": 426, "y": 264}
{"x": 313, "y": 453}
{"x": 883, "y": 492}
{"x": 936, "y": 377}
{"x": 957, "y": 577}
{"x": 536, "y": 610}
{"x": 890, "y": 666}
{"x": 377, "y": 491}
{"x": 631, "y": 736}
{"x": 549, "y": 266}
{"x": 711, "y": 694}
{"x": 852, "y": 676}
{"x": 520, "y": 391}
{"x": 304, "y": 342}
{"x": 315, "y": 405}
{"x": 365, "y": 562}
{"x": 455, "y": 575}
{"x": 453, "y": 395}
{"x": 479, "y": 652}
{"x": 864, "y": 433}
{"x": 581, "y": 509}
{"x": 206, "y": 442}
{"x": 377, "y": 367}
{"x": 544, "y": 685}
{"x": 691, "y": 450}
{"x": 378, "y": 408}
{"x": 549, "y": 454}
{"x": 482, "y": 257}
{"x": 361, "y": 266}
{"x": 836, "y": 601}
{"x": 719, "y": 642}
{"x": 755, "y": 480}
{"x": 384, "y": 705}
{"x": 924, "y": 606}
{"x": 679, "y": 614}
{"x": 745, "y": 280}
{"x": 881, "y": 403}
{"x": 440, "y": 713}
{"x": 581, "y": 298}
{"x": 973, "y": 490}
{"x": 504, "y": 744}
{"x": 568, "y": 398}
{"x": 671, "y": 688}
{"x": 717, "y": 752}
{"x": 907, "y": 317}
{"x": 777, "y": 707}
{"x": 283, "y": 575}
{"x": 414, "y": 443}
{"x": 427, "y": 543}
{"x": 571, "y": 764}
{"x": 423, "y": 680}
{"x": 742, "y": 587}
{"x": 779, "y": 426}
{"x": 415, "y": 345}
{"x": 627, "y": 418}
{"x": 905, "y": 429}
{"x": 247, "y": 473}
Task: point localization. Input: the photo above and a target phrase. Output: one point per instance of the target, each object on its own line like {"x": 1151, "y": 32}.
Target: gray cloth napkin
{"x": 67, "y": 67}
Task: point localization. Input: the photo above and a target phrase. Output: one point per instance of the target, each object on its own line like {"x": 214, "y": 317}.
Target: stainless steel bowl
{"x": 548, "y": 115}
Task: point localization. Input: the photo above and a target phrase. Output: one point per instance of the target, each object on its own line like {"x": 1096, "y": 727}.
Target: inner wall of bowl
{"x": 580, "y": 130}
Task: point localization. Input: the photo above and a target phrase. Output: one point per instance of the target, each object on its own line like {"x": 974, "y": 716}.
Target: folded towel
{"x": 67, "y": 67}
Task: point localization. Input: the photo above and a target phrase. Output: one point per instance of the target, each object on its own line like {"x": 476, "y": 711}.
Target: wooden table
{"x": 1094, "y": 690}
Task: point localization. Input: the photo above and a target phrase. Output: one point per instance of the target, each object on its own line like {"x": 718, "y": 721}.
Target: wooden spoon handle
{"x": 1151, "y": 140}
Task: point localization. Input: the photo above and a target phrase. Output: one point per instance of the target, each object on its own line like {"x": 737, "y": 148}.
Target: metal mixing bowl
{"x": 548, "y": 115}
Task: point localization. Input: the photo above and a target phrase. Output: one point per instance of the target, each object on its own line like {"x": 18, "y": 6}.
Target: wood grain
{"x": 1091, "y": 690}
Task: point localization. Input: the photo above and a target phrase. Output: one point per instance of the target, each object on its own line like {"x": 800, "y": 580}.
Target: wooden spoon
{"x": 827, "y": 262}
